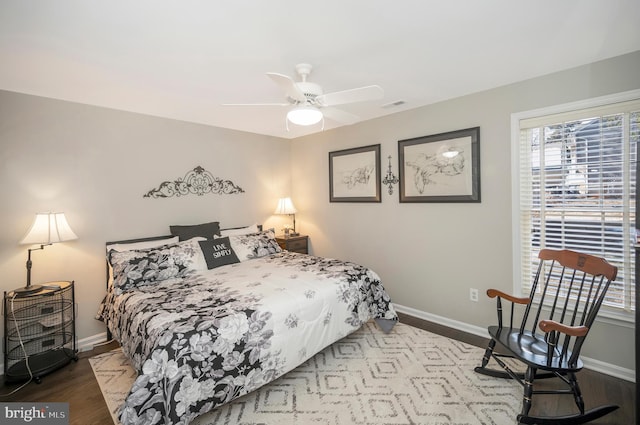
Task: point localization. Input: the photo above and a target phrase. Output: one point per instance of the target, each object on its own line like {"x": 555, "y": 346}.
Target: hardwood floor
{"x": 77, "y": 385}
{"x": 74, "y": 384}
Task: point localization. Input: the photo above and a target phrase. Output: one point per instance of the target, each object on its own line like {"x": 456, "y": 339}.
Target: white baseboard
{"x": 86, "y": 344}
{"x": 461, "y": 326}
{"x": 589, "y": 363}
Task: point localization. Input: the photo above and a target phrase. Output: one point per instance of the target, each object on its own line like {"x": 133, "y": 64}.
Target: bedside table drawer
{"x": 294, "y": 243}
{"x": 297, "y": 245}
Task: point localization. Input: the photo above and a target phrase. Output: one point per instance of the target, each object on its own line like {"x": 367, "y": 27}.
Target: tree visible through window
{"x": 577, "y": 177}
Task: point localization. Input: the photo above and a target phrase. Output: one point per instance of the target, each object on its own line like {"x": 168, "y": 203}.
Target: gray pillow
{"x": 205, "y": 230}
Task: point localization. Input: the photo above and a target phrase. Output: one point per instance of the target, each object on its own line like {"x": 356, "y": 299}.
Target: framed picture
{"x": 354, "y": 175}
{"x": 440, "y": 168}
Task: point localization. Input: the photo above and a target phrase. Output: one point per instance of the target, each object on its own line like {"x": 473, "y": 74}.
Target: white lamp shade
{"x": 304, "y": 115}
{"x": 49, "y": 228}
{"x": 285, "y": 206}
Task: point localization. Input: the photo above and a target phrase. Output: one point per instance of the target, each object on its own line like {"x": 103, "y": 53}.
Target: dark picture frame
{"x": 442, "y": 167}
{"x": 354, "y": 174}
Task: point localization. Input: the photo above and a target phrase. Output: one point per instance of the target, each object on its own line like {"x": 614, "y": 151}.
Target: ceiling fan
{"x": 308, "y": 104}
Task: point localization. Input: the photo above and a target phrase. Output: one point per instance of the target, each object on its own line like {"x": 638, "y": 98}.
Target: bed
{"x": 207, "y": 320}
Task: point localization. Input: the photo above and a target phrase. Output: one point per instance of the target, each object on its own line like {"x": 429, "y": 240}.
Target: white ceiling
{"x": 184, "y": 59}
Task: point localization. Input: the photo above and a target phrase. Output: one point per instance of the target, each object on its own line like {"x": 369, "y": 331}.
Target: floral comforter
{"x": 203, "y": 340}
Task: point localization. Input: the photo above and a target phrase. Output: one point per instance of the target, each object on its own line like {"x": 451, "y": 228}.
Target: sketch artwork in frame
{"x": 354, "y": 175}
{"x": 440, "y": 168}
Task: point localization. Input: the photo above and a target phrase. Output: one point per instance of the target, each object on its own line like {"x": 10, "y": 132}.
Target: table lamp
{"x": 47, "y": 229}
{"x": 285, "y": 206}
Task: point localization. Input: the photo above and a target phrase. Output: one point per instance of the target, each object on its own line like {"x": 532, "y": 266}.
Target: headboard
{"x": 148, "y": 239}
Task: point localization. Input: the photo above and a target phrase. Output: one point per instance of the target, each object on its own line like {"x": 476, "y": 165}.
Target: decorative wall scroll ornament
{"x": 196, "y": 182}
{"x": 390, "y": 179}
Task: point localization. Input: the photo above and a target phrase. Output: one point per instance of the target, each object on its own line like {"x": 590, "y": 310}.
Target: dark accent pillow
{"x": 205, "y": 230}
{"x": 218, "y": 252}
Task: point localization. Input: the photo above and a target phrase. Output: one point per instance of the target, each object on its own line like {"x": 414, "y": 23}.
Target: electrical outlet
{"x": 473, "y": 294}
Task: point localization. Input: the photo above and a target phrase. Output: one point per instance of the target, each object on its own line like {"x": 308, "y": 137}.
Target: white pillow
{"x": 241, "y": 231}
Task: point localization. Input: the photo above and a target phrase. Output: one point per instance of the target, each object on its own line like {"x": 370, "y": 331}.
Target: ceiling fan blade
{"x": 289, "y": 86}
{"x": 338, "y": 115}
{"x": 361, "y": 94}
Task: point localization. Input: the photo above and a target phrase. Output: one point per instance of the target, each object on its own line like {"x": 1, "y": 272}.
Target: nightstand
{"x": 42, "y": 324}
{"x": 298, "y": 243}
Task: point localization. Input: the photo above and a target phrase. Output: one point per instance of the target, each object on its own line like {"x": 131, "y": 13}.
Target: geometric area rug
{"x": 409, "y": 376}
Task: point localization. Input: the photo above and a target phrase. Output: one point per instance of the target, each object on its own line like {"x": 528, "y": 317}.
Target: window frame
{"x": 608, "y": 315}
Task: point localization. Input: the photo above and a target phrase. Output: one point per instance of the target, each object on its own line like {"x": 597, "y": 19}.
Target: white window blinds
{"x": 577, "y": 178}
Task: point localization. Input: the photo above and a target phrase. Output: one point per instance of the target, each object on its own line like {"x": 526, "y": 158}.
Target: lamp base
{"x": 27, "y": 290}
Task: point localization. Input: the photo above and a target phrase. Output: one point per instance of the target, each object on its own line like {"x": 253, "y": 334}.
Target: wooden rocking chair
{"x": 566, "y": 295}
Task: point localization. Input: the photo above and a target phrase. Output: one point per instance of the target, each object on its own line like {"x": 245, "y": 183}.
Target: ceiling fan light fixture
{"x": 304, "y": 115}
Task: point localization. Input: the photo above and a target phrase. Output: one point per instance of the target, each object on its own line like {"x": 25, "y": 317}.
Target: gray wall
{"x": 429, "y": 255}
{"x": 95, "y": 164}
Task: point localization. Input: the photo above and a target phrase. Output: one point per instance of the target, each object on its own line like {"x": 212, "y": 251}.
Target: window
{"x": 575, "y": 188}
